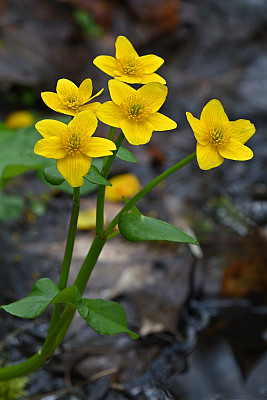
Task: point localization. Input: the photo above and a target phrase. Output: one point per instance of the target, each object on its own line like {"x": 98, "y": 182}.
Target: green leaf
{"x": 42, "y": 292}
{"x": 16, "y": 149}
{"x": 137, "y": 228}
{"x": 53, "y": 176}
{"x": 94, "y": 176}
{"x": 104, "y": 316}
{"x": 125, "y": 155}
{"x": 69, "y": 295}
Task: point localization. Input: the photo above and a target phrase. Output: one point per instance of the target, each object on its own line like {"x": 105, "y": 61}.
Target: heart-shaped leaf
{"x": 42, "y": 292}
{"x": 138, "y": 228}
{"x": 94, "y": 176}
{"x": 104, "y": 316}
{"x": 125, "y": 155}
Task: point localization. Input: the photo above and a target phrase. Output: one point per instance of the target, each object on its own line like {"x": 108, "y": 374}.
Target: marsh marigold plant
{"x": 128, "y": 67}
{"x": 136, "y": 111}
{"x": 218, "y": 138}
{"x": 70, "y": 99}
{"x": 72, "y": 145}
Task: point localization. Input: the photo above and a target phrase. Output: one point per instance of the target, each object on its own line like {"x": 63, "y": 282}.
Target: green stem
{"x": 89, "y": 263}
{"x": 111, "y": 133}
{"x": 24, "y": 368}
{"x": 38, "y": 359}
{"x": 81, "y": 282}
{"x": 102, "y": 188}
{"x": 147, "y": 189}
{"x": 63, "y": 279}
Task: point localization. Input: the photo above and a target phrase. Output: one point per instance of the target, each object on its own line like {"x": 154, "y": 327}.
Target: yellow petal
{"x": 66, "y": 89}
{"x": 50, "y": 127}
{"x": 119, "y": 91}
{"x": 235, "y": 150}
{"x": 151, "y": 63}
{"x": 85, "y": 91}
{"x": 241, "y": 130}
{"x": 110, "y": 114}
{"x": 160, "y": 122}
{"x": 199, "y": 129}
{"x": 152, "y": 78}
{"x": 213, "y": 113}
{"x": 107, "y": 64}
{"x": 93, "y": 107}
{"x": 208, "y": 156}
{"x": 137, "y": 132}
{"x": 97, "y": 94}
{"x": 84, "y": 121}
{"x": 50, "y": 148}
{"x": 87, "y": 219}
{"x": 124, "y": 48}
{"x": 100, "y": 147}
{"x": 74, "y": 167}
{"x": 126, "y": 185}
{"x": 130, "y": 78}
{"x": 52, "y": 101}
{"x": 154, "y": 93}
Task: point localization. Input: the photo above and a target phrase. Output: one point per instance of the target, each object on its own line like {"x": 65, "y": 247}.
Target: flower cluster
{"x": 135, "y": 112}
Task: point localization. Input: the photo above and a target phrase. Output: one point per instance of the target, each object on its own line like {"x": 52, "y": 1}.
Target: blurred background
{"x": 201, "y": 312}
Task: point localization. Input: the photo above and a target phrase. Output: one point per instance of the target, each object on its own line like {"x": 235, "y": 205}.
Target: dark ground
{"x": 201, "y": 314}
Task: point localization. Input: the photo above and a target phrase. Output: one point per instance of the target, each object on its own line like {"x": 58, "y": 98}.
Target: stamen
{"x": 71, "y": 102}
{"x": 129, "y": 66}
{"x": 219, "y": 135}
{"x": 75, "y": 140}
{"x": 135, "y": 108}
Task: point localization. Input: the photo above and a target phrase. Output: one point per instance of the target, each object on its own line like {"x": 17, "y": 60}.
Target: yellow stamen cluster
{"x": 218, "y": 136}
{"x": 71, "y": 102}
{"x": 129, "y": 66}
{"x": 135, "y": 108}
{"x": 73, "y": 140}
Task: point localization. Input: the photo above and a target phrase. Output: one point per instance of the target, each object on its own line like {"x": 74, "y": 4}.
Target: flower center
{"x": 218, "y": 135}
{"x": 135, "y": 108}
{"x": 75, "y": 140}
{"x": 71, "y": 102}
{"x": 129, "y": 66}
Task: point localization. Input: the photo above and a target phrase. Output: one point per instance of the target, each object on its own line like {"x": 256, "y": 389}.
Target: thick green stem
{"x": 101, "y": 188}
{"x": 147, "y": 189}
{"x": 81, "y": 282}
{"x": 24, "y": 368}
{"x": 63, "y": 279}
{"x": 89, "y": 263}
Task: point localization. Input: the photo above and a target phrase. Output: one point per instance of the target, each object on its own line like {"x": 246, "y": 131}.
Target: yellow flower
{"x": 19, "y": 119}
{"x": 72, "y": 145}
{"x": 128, "y": 67}
{"x": 135, "y": 111}
{"x": 70, "y": 99}
{"x": 218, "y": 138}
{"x": 126, "y": 185}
